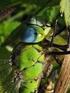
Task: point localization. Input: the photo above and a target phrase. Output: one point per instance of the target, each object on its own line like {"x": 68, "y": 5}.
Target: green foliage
{"x": 6, "y": 29}
{"x": 68, "y": 90}
{"x": 65, "y": 8}
{"x": 8, "y": 83}
{"x": 49, "y": 14}
{"x": 5, "y": 3}
{"x": 4, "y": 67}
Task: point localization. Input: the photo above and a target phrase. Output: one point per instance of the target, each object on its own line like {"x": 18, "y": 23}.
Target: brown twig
{"x": 7, "y": 12}
{"x": 64, "y": 78}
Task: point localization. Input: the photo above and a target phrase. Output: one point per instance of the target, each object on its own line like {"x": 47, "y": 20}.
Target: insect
{"x": 28, "y": 55}
{"x": 29, "y": 58}
{"x": 30, "y": 63}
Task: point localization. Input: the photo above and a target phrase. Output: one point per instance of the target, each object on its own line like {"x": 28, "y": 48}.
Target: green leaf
{"x": 7, "y": 74}
{"x": 5, "y": 68}
{"x": 65, "y": 8}
{"x": 6, "y": 28}
{"x": 5, "y": 3}
{"x": 49, "y": 14}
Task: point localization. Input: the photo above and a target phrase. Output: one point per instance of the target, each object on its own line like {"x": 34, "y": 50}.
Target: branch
{"x": 64, "y": 78}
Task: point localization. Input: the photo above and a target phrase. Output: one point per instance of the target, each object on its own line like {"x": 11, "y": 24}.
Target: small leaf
{"x": 65, "y": 8}
{"x": 49, "y": 14}
{"x": 6, "y": 28}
